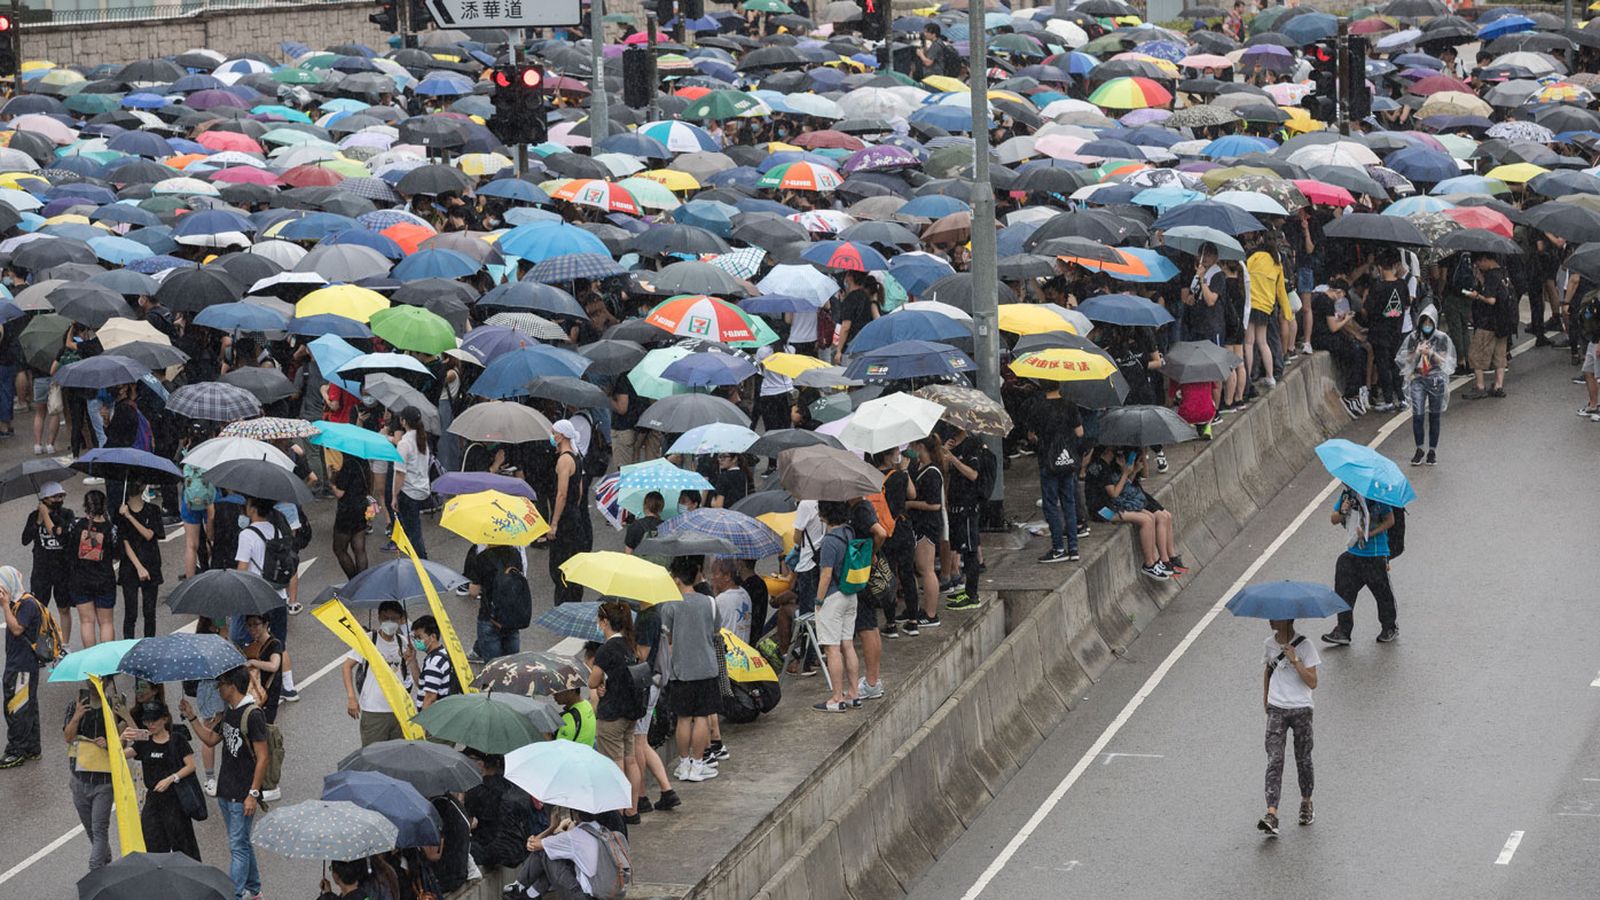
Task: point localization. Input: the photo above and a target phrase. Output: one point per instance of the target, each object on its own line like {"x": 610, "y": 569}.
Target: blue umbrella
{"x": 1423, "y": 164}
{"x": 435, "y": 262}
{"x": 1507, "y": 24}
{"x": 910, "y": 359}
{"x": 1366, "y": 471}
{"x": 633, "y": 143}
{"x": 1159, "y": 268}
{"x": 1125, "y": 309}
{"x": 574, "y": 620}
{"x": 508, "y": 374}
{"x": 181, "y": 657}
{"x": 1287, "y": 600}
{"x": 773, "y": 305}
{"x": 539, "y": 241}
{"x": 119, "y": 462}
{"x": 534, "y": 297}
{"x": 908, "y": 325}
{"x": 369, "y": 239}
{"x": 118, "y": 251}
{"x": 395, "y": 800}
{"x": 917, "y": 272}
{"x": 489, "y": 341}
{"x": 513, "y": 189}
{"x": 451, "y": 483}
{"x": 1309, "y": 28}
{"x": 100, "y": 660}
{"x": 330, "y": 352}
{"x": 750, "y": 537}
{"x": 660, "y": 476}
{"x": 954, "y": 119}
{"x": 1229, "y": 220}
{"x": 315, "y": 227}
{"x": 712, "y": 215}
{"x": 355, "y": 440}
{"x": 395, "y": 579}
{"x": 241, "y": 317}
{"x": 1234, "y": 145}
{"x": 932, "y": 206}
{"x": 709, "y": 370}
{"x": 327, "y": 323}
{"x": 714, "y": 437}
{"x": 212, "y": 222}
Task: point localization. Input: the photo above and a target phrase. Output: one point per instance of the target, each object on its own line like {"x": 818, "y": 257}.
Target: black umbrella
{"x": 774, "y": 442}
{"x": 43, "y": 254}
{"x": 219, "y": 593}
{"x": 680, "y": 412}
{"x": 191, "y": 290}
{"x": 1051, "y": 339}
{"x": 259, "y": 478}
{"x": 767, "y": 232}
{"x": 433, "y": 769}
{"x": 678, "y": 238}
{"x": 568, "y": 391}
{"x": 1565, "y": 220}
{"x": 957, "y": 290}
{"x": 169, "y": 876}
{"x": 1144, "y": 426}
{"x": 762, "y": 502}
{"x": 41, "y": 340}
{"x": 434, "y": 179}
{"x": 268, "y": 385}
{"x": 1102, "y": 393}
{"x": 96, "y": 372}
{"x": 612, "y": 356}
{"x": 1374, "y": 228}
{"x": 26, "y": 478}
{"x": 152, "y": 354}
{"x": 1477, "y": 240}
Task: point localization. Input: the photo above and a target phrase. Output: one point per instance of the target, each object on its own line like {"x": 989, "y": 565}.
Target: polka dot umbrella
{"x": 325, "y": 829}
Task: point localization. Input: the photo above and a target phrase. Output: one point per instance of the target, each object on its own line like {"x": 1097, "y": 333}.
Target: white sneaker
{"x": 38, "y": 450}
{"x": 1306, "y": 349}
{"x": 699, "y": 771}
{"x": 272, "y": 796}
{"x": 211, "y": 787}
{"x": 50, "y": 450}
{"x": 869, "y": 691}
{"x": 94, "y": 480}
{"x": 681, "y": 773}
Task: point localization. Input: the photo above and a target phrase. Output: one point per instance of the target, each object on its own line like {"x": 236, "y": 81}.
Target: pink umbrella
{"x": 245, "y": 175}
{"x": 216, "y": 139}
{"x": 1059, "y": 146}
{"x": 641, "y": 37}
{"x": 562, "y": 134}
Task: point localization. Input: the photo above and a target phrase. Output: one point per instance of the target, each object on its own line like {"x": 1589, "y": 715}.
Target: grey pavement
{"x": 1483, "y": 720}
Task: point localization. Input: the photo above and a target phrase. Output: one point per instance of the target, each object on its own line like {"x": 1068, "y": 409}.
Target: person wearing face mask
{"x": 46, "y": 529}
{"x": 263, "y": 656}
{"x": 364, "y": 698}
{"x": 1427, "y": 358}
{"x": 140, "y": 529}
{"x": 165, "y": 759}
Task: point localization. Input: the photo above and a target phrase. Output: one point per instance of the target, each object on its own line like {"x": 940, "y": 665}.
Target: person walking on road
{"x": 1364, "y": 564}
{"x": 412, "y": 481}
{"x": 243, "y": 738}
{"x": 570, "y": 531}
{"x": 1426, "y": 360}
{"x": 1286, "y": 685}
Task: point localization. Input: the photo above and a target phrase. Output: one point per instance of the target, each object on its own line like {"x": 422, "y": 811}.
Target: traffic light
{"x": 1324, "y": 59}
{"x": 1357, "y": 97}
{"x": 386, "y": 18}
{"x": 518, "y": 97}
{"x": 638, "y": 77}
{"x": 9, "y": 55}
{"x": 692, "y": 9}
{"x": 874, "y": 19}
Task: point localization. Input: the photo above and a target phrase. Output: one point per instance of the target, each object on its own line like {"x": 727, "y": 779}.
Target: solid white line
{"x": 1595, "y": 682}
{"x": 1156, "y": 677}
{"x": 1509, "y": 850}
{"x": 41, "y": 853}
{"x": 303, "y": 683}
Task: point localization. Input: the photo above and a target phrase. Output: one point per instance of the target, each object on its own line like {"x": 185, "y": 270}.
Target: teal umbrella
{"x": 355, "y": 440}
{"x": 477, "y": 722}
{"x": 101, "y": 659}
{"x": 646, "y": 376}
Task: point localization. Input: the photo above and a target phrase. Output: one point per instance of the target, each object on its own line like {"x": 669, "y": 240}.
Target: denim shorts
{"x": 105, "y": 601}
{"x": 41, "y": 388}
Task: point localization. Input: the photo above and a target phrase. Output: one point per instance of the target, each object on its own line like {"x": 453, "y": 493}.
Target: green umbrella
{"x": 296, "y": 75}
{"x": 832, "y": 407}
{"x": 646, "y": 376}
{"x": 355, "y": 440}
{"x": 101, "y": 659}
{"x": 414, "y": 328}
{"x": 43, "y": 339}
{"x": 478, "y": 722}
{"x": 91, "y": 104}
{"x": 947, "y": 162}
{"x": 723, "y": 105}
{"x": 1267, "y": 18}
{"x": 768, "y": 6}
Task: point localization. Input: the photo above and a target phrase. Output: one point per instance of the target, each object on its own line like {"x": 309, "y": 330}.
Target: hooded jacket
{"x": 1440, "y": 362}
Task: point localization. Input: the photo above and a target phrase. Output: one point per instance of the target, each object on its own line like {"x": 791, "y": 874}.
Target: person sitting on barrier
{"x": 1111, "y": 479}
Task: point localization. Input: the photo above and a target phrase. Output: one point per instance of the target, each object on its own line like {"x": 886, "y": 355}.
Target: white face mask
{"x": 244, "y": 522}
{"x": 389, "y": 629}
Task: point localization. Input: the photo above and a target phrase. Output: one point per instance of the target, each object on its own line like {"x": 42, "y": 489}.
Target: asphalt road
{"x": 1461, "y": 761}
{"x": 42, "y": 848}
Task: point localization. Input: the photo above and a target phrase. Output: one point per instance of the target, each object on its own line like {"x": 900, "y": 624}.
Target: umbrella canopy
{"x": 180, "y": 657}
{"x": 260, "y": 478}
{"x": 1289, "y": 600}
{"x": 890, "y": 421}
{"x": 413, "y": 816}
{"x": 396, "y": 579}
{"x": 323, "y": 830}
{"x": 616, "y": 574}
{"x": 433, "y": 769}
{"x": 826, "y": 473}
{"x": 566, "y": 773}
{"x": 476, "y": 721}
{"x": 1366, "y": 471}
{"x": 531, "y": 673}
{"x": 1144, "y": 426}
{"x": 750, "y": 538}
{"x": 219, "y": 593}
{"x": 490, "y": 517}
{"x": 170, "y": 876}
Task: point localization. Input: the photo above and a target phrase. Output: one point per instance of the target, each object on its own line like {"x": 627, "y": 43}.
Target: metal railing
{"x": 89, "y": 14}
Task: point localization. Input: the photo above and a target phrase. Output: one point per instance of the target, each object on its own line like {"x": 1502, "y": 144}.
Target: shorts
{"x": 1257, "y": 317}
{"x": 187, "y": 515}
{"x": 1488, "y": 350}
{"x": 836, "y": 619}
{"x": 379, "y": 726}
{"x": 964, "y": 535}
{"x": 41, "y": 388}
{"x": 866, "y": 615}
{"x": 689, "y": 699}
{"x": 106, "y": 601}
{"x": 643, "y": 725}
{"x": 613, "y": 738}
{"x": 1591, "y": 359}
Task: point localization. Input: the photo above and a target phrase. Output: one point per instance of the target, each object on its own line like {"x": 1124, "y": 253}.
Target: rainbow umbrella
{"x": 703, "y": 317}
{"x": 1130, "y": 93}
{"x": 845, "y": 255}
{"x": 599, "y": 194}
{"x": 800, "y": 176}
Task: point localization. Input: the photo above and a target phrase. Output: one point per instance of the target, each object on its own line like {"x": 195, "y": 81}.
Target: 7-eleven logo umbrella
{"x": 699, "y": 316}
{"x": 599, "y": 194}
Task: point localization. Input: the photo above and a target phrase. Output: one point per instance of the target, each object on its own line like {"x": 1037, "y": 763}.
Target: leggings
{"x": 350, "y": 549}
{"x": 145, "y": 592}
{"x": 1279, "y": 722}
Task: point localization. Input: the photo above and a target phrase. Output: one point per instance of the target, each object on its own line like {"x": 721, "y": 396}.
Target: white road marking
{"x": 303, "y": 683}
{"x": 1592, "y": 779}
{"x": 306, "y": 564}
{"x": 1110, "y": 756}
{"x": 1509, "y": 850}
{"x": 1580, "y": 815}
{"x": 41, "y": 853}
{"x": 172, "y": 535}
{"x": 1595, "y": 682}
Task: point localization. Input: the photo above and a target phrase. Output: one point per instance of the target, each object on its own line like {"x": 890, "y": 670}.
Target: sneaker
{"x": 1054, "y": 556}
{"x": 870, "y": 691}
{"x": 1166, "y": 567}
{"x": 1269, "y": 824}
{"x": 924, "y": 621}
{"x": 645, "y": 806}
{"x": 1305, "y": 349}
{"x": 669, "y": 800}
{"x": 1216, "y": 419}
{"x": 391, "y": 547}
{"x": 272, "y": 796}
{"x": 633, "y": 819}
{"x": 211, "y": 787}
{"x": 1364, "y": 397}
{"x": 1474, "y": 393}
{"x": 1083, "y": 532}
{"x": 38, "y": 449}
{"x": 681, "y": 772}
{"x": 464, "y": 589}
{"x": 11, "y": 762}
{"x": 1336, "y": 637}
{"x": 296, "y": 608}
{"x": 1351, "y": 408}
{"x": 829, "y": 706}
{"x": 94, "y": 480}
{"x": 1417, "y": 457}
{"x": 1388, "y": 634}
{"x": 290, "y": 696}
{"x": 1072, "y": 555}
{"x": 717, "y": 752}
{"x": 699, "y": 771}
{"x": 953, "y": 587}
{"x": 1155, "y": 571}
{"x": 1306, "y": 815}
{"x": 889, "y": 632}
{"x": 49, "y": 449}
{"x": 1384, "y": 407}
{"x": 909, "y": 628}
{"x": 1499, "y": 392}
{"x": 961, "y": 601}
{"x": 1161, "y": 461}
{"x": 1432, "y": 458}
{"x": 1267, "y": 383}
{"x": 1587, "y": 412}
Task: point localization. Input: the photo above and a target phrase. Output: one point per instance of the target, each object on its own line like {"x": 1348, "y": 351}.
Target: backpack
{"x": 1589, "y": 318}
{"x": 856, "y": 569}
{"x": 598, "y": 460}
{"x": 274, "y": 772}
{"x": 637, "y": 698}
{"x": 510, "y": 600}
{"x": 91, "y": 544}
{"x": 144, "y": 438}
{"x": 48, "y": 646}
{"x": 613, "y": 873}
{"x": 280, "y": 560}
{"x": 1056, "y": 457}
{"x": 740, "y": 705}
{"x": 880, "y": 505}
{"x": 1397, "y": 533}
{"x": 986, "y": 474}
{"x": 825, "y": 326}
{"x": 196, "y": 493}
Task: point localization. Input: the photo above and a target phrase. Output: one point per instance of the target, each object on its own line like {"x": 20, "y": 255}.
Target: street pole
{"x": 1341, "y": 65}
{"x": 513, "y": 53}
{"x": 985, "y": 294}
{"x": 1566, "y": 14}
{"x": 655, "y": 81}
{"x": 599, "y": 114}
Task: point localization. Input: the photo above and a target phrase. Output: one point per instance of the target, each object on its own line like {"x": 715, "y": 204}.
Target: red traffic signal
{"x": 1322, "y": 53}
{"x": 531, "y": 78}
{"x": 5, "y": 24}
{"x": 527, "y": 78}
{"x": 502, "y": 78}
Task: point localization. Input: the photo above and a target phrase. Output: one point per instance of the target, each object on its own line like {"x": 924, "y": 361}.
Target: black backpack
{"x": 1397, "y": 533}
{"x": 281, "y": 558}
{"x": 636, "y": 702}
{"x": 510, "y": 599}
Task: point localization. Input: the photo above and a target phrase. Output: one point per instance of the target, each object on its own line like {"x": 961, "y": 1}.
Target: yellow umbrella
{"x": 34, "y": 65}
{"x": 782, "y": 147}
{"x": 14, "y": 180}
{"x": 790, "y": 365}
{"x": 1516, "y": 173}
{"x": 745, "y": 663}
{"x": 346, "y": 300}
{"x": 1062, "y": 364}
{"x": 67, "y": 219}
{"x": 947, "y": 84}
{"x": 484, "y": 163}
{"x": 672, "y": 179}
{"x": 1031, "y": 318}
{"x": 621, "y": 575}
{"x": 783, "y": 524}
{"x": 491, "y": 517}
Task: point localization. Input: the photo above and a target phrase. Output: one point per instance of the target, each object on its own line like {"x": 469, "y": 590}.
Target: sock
{"x": 288, "y": 680}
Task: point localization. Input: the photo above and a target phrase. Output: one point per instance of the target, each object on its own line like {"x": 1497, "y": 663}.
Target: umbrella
{"x": 219, "y": 593}
{"x": 687, "y": 544}
{"x": 1144, "y": 426}
{"x": 681, "y": 412}
{"x": 213, "y": 401}
{"x": 395, "y": 395}
{"x": 890, "y": 421}
{"x": 1189, "y": 362}
{"x": 323, "y": 830}
{"x": 395, "y": 579}
{"x": 532, "y": 673}
{"x": 969, "y": 409}
{"x": 616, "y": 574}
{"x": 26, "y": 478}
{"x": 355, "y": 440}
{"x": 576, "y": 620}
{"x": 1366, "y": 471}
{"x": 413, "y": 816}
{"x": 716, "y": 437}
{"x": 1282, "y": 600}
{"x": 826, "y": 473}
{"x": 750, "y": 538}
{"x": 180, "y": 657}
{"x": 909, "y": 359}
{"x": 433, "y": 769}
{"x": 452, "y": 483}
{"x": 127, "y": 464}
{"x": 660, "y": 476}
{"x": 413, "y": 328}
{"x": 266, "y": 384}
{"x": 259, "y": 478}
{"x": 474, "y": 720}
{"x": 42, "y": 339}
{"x": 1374, "y": 228}
{"x": 271, "y": 428}
{"x": 106, "y": 370}
{"x": 566, "y": 773}
{"x": 100, "y": 660}
{"x": 223, "y": 449}
{"x": 170, "y": 876}
{"x": 568, "y": 391}
{"x": 490, "y": 517}
{"x": 745, "y": 664}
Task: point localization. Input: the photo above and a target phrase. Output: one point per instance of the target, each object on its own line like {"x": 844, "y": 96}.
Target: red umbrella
{"x": 1324, "y": 194}
{"x": 643, "y": 37}
{"x": 217, "y": 139}
{"x": 311, "y": 176}
{"x": 1374, "y": 25}
{"x": 1481, "y": 217}
{"x": 1435, "y": 84}
{"x": 245, "y": 175}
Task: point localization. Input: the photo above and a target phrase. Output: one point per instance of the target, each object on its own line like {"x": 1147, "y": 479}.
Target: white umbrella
{"x": 117, "y": 332}
{"x": 891, "y": 421}
{"x": 943, "y": 309}
{"x": 1071, "y": 34}
{"x": 875, "y": 104}
{"x": 566, "y": 773}
{"x": 283, "y": 253}
{"x": 219, "y": 450}
{"x": 1338, "y": 153}
{"x": 814, "y": 105}
{"x": 1251, "y": 202}
{"x": 799, "y": 281}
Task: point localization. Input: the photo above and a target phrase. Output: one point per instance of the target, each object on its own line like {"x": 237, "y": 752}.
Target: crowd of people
{"x": 739, "y": 333}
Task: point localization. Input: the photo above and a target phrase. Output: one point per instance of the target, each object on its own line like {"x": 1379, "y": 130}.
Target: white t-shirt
{"x": 803, "y": 327}
{"x": 370, "y": 697}
{"x": 253, "y": 548}
{"x": 811, "y": 528}
{"x": 415, "y": 462}
{"x": 1286, "y": 689}
{"x": 578, "y": 845}
{"x": 733, "y": 612}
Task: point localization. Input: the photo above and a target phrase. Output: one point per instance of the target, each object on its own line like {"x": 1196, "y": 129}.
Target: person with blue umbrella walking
{"x": 1363, "y": 564}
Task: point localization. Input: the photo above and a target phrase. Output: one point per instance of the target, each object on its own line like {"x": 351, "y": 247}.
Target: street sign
{"x": 504, "y": 13}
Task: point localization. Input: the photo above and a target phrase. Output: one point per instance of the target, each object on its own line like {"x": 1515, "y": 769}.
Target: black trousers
{"x": 1385, "y": 339}
{"x": 135, "y": 595}
{"x": 1349, "y": 361}
{"x": 563, "y": 549}
{"x": 1352, "y": 573}
{"x": 965, "y": 540}
{"x": 166, "y": 828}
{"x": 20, "y": 692}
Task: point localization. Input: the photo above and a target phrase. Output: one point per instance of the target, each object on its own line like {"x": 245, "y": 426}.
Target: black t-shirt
{"x": 91, "y": 548}
{"x": 964, "y": 492}
{"x": 614, "y": 658}
{"x": 1055, "y": 422}
{"x": 1203, "y": 320}
{"x": 862, "y": 518}
{"x": 929, "y": 523}
{"x": 161, "y": 760}
{"x": 1502, "y": 314}
{"x": 123, "y": 427}
{"x": 482, "y": 568}
{"x": 237, "y": 767}
{"x": 857, "y": 310}
{"x": 1322, "y": 308}
{"x": 19, "y": 647}
{"x": 49, "y": 545}
{"x": 639, "y": 529}
{"x": 147, "y": 551}
{"x": 896, "y": 485}
{"x": 450, "y": 869}
{"x": 647, "y": 634}
{"x": 354, "y": 480}
{"x": 731, "y": 486}
{"x": 1386, "y": 303}
{"x": 627, "y": 420}
{"x": 1098, "y": 475}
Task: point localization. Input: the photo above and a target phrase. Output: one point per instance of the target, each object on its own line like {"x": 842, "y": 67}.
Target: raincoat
{"x": 1430, "y": 359}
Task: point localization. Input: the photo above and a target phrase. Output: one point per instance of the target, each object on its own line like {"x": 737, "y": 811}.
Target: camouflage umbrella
{"x": 969, "y": 409}
{"x": 1287, "y": 195}
{"x": 1433, "y": 225}
{"x": 1201, "y": 116}
{"x": 533, "y": 673}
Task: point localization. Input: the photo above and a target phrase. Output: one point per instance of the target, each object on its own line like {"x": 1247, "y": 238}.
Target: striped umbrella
{"x": 703, "y": 317}
{"x": 800, "y": 176}
{"x": 213, "y": 401}
{"x": 599, "y": 194}
{"x": 1130, "y": 93}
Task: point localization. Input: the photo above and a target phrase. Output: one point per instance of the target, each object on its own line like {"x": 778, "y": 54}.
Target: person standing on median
{"x": 836, "y": 610}
{"x": 365, "y": 701}
{"x": 1286, "y": 685}
{"x": 24, "y": 616}
{"x": 1056, "y": 429}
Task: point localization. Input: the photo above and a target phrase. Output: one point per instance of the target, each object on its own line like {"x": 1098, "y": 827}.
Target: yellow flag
{"x": 339, "y": 621}
{"x": 447, "y": 631}
{"x": 130, "y": 832}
